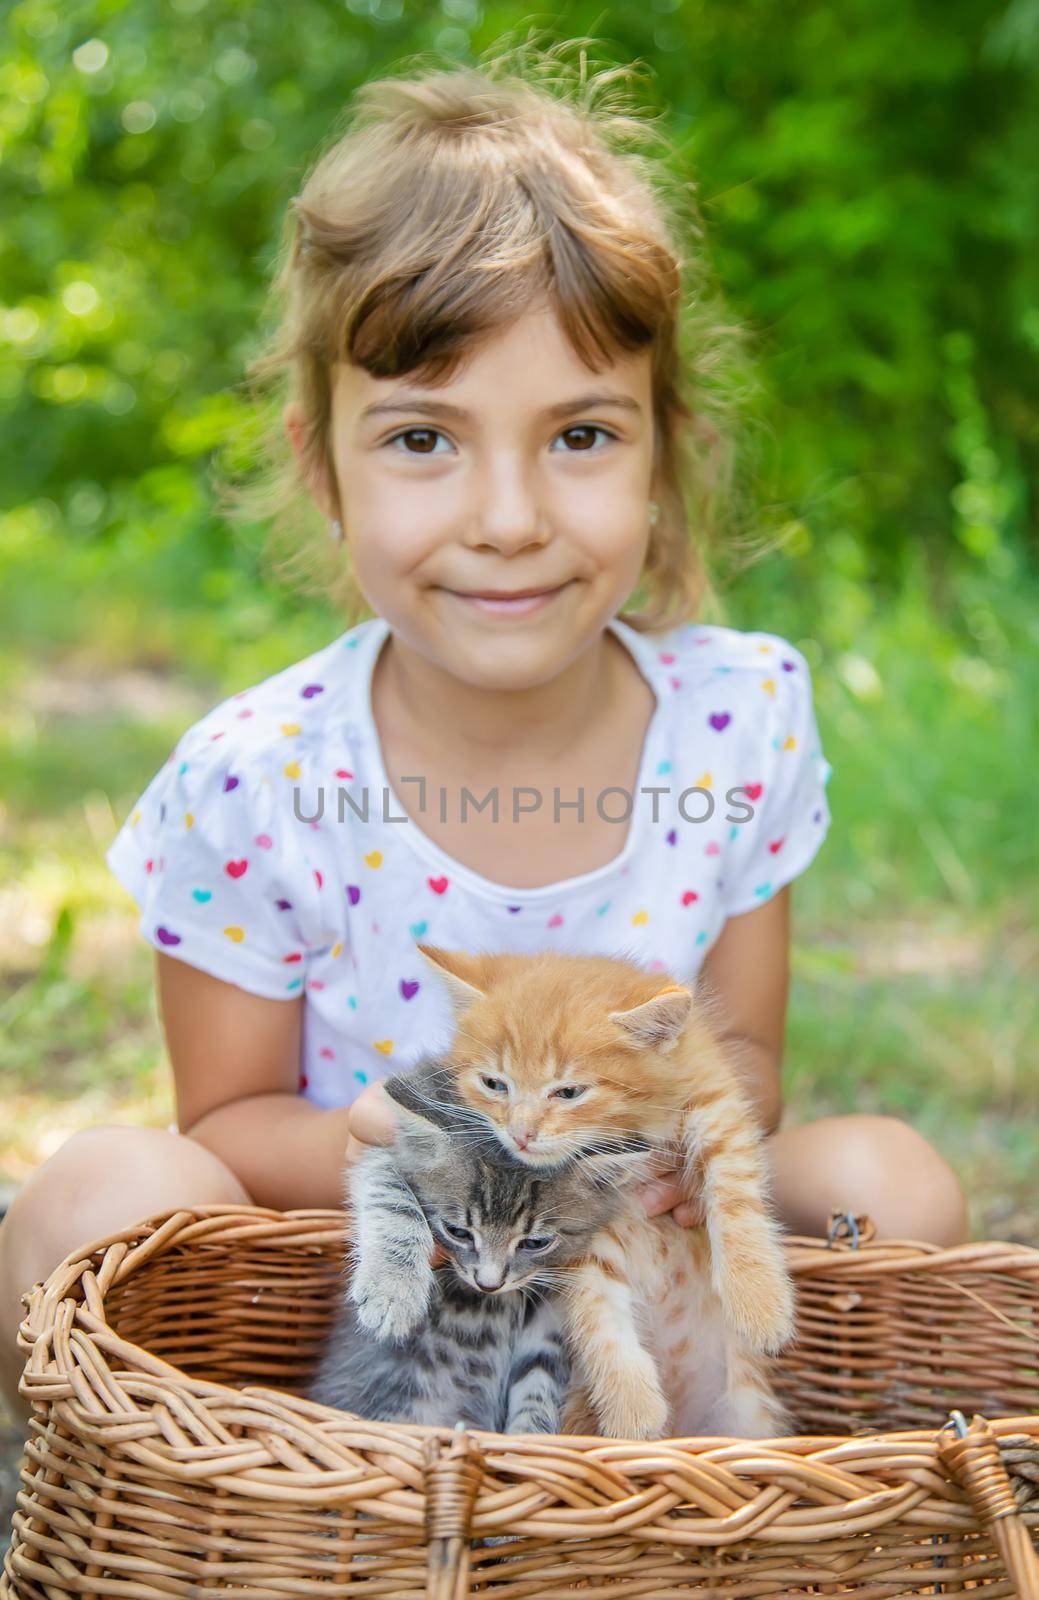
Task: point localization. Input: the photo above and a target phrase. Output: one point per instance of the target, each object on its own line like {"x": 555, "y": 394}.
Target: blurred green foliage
{"x": 866, "y": 172}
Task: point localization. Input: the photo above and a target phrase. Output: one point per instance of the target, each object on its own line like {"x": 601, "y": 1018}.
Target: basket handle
{"x": 975, "y": 1463}
{"x": 845, "y": 1227}
{"x": 452, "y": 1482}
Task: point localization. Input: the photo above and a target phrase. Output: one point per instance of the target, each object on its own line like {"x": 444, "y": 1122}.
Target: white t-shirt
{"x": 237, "y": 871}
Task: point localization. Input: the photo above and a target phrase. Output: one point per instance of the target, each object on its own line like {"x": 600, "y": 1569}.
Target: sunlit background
{"x": 866, "y": 176}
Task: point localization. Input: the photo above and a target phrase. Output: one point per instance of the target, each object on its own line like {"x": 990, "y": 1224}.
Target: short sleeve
{"x": 791, "y": 814}
{"x": 209, "y": 855}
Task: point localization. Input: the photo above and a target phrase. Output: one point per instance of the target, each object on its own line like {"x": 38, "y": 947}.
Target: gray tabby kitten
{"x": 479, "y": 1339}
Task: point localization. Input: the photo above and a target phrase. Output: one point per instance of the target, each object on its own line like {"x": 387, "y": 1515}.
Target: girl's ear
{"x": 458, "y": 973}
{"x": 657, "y": 1023}
{"x": 317, "y": 481}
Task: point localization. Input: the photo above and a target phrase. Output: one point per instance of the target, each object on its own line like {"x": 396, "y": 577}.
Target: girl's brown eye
{"x": 581, "y": 437}
{"x": 420, "y": 441}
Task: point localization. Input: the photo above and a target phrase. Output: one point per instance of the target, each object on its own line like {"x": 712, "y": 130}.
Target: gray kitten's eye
{"x": 463, "y": 1235}
{"x": 496, "y": 1085}
{"x": 569, "y": 1091}
{"x": 541, "y": 1242}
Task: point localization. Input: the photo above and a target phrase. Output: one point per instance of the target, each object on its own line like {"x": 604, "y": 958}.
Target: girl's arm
{"x": 235, "y": 1059}
{"x": 748, "y": 968}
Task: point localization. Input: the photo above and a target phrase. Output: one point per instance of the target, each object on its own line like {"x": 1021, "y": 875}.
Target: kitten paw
{"x": 759, "y": 1304}
{"x": 636, "y": 1409}
{"x": 536, "y": 1419}
{"x": 390, "y": 1306}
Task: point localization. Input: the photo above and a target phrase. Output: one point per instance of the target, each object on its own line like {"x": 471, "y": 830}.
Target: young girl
{"x": 481, "y": 346}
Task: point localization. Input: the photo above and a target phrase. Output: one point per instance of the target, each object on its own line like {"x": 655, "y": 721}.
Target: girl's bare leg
{"x": 101, "y": 1180}
{"x": 877, "y": 1165}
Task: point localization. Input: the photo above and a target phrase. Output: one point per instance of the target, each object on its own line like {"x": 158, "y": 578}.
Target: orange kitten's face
{"x": 545, "y": 1109}
{"x": 565, "y": 1054}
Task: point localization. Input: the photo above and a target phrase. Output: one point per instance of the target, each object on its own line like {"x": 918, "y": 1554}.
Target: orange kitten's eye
{"x": 569, "y": 1091}
{"x": 495, "y": 1085}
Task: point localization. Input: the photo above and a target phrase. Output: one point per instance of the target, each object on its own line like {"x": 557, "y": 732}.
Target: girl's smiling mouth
{"x": 499, "y": 603}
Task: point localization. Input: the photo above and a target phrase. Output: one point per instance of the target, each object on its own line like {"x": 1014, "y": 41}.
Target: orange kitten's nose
{"x": 523, "y": 1139}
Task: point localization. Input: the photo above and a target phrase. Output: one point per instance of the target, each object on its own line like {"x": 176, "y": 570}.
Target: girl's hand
{"x": 664, "y": 1193}
{"x": 372, "y": 1121}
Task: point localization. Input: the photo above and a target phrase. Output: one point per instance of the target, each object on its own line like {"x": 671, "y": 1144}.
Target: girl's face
{"x": 526, "y": 470}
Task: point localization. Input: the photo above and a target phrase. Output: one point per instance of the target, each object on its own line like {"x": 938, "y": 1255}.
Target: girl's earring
{"x": 654, "y": 513}
{"x": 337, "y": 530}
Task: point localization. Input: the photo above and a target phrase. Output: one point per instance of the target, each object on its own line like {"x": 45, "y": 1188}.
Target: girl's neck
{"x": 545, "y": 722}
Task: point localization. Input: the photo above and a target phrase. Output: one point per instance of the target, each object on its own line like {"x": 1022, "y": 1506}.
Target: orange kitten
{"x": 594, "y": 1057}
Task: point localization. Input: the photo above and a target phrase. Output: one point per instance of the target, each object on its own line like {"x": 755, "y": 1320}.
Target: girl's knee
{"x": 873, "y": 1164}
{"x": 155, "y": 1159}
{"x": 914, "y": 1187}
{"x": 100, "y": 1181}
{"x": 108, "y": 1177}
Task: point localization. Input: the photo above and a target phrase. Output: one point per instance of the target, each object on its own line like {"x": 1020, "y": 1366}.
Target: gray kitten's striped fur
{"x": 479, "y": 1339}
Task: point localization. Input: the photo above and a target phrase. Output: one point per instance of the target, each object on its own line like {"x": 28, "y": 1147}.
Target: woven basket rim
{"x": 147, "y": 1414}
{"x": 161, "y": 1230}
{"x": 805, "y": 1252}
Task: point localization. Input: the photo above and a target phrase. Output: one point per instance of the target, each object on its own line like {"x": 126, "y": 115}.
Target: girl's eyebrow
{"x": 444, "y": 408}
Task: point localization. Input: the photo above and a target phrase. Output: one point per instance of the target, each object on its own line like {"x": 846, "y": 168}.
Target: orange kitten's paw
{"x": 756, "y": 1415}
{"x": 636, "y": 1407}
{"x": 758, "y": 1296}
{"x": 751, "y": 1408}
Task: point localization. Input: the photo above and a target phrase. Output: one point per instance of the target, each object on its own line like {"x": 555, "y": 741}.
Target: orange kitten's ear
{"x": 657, "y": 1023}
{"x": 457, "y": 972}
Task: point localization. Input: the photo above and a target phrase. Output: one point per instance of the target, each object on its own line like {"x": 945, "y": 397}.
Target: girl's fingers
{"x": 372, "y": 1117}
{"x": 659, "y": 1196}
{"x": 664, "y": 1193}
{"x": 354, "y": 1149}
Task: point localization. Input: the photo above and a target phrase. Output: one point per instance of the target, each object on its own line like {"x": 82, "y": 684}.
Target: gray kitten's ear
{"x": 457, "y": 971}
{"x": 416, "y": 1110}
{"x": 423, "y": 1135}
{"x": 657, "y": 1023}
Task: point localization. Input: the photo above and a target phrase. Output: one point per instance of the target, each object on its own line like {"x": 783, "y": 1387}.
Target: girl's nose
{"x": 508, "y": 515}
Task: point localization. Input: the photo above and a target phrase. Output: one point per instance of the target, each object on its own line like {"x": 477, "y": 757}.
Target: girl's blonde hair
{"x": 453, "y": 199}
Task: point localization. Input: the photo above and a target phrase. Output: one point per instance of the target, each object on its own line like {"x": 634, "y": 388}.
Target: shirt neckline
{"x": 644, "y": 656}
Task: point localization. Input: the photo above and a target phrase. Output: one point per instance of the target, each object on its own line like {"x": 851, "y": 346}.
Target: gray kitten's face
{"x": 501, "y": 1222}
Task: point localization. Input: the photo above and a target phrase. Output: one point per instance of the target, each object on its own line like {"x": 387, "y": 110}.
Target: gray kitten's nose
{"x": 489, "y": 1284}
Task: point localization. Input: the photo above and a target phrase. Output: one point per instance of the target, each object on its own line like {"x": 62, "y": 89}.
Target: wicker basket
{"x": 171, "y": 1455}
